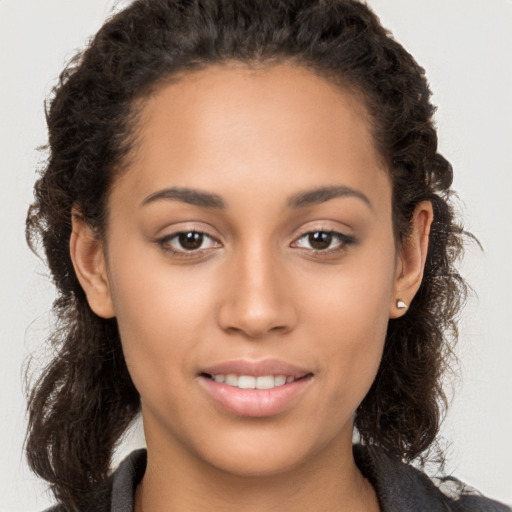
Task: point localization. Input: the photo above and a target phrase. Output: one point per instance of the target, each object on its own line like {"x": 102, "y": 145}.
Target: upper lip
{"x": 256, "y": 368}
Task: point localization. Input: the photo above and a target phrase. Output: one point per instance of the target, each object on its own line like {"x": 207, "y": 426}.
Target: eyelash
{"x": 164, "y": 243}
{"x": 344, "y": 242}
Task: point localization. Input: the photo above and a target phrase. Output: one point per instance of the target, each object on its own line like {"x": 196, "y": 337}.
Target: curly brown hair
{"x": 84, "y": 400}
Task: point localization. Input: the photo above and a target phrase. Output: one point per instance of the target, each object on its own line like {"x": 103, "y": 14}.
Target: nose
{"x": 256, "y": 298}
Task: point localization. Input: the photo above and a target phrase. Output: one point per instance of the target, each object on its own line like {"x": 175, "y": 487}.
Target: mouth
{"x": 255, "y": 388}
{"x": 253, "y": 382}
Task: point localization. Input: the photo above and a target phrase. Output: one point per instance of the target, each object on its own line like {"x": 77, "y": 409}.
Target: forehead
{"x": 230, "y": 126}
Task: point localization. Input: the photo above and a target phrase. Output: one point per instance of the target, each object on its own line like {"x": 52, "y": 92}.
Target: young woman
{"x": 250, "y": 229}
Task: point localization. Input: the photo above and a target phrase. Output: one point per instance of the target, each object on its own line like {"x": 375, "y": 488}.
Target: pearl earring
{"x": 400, "y": 304}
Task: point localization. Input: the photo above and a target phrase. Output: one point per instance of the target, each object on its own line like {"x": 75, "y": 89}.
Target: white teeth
{"x": 246, "y": 382}
{"x": 250, "y": 382}
{"x": 279, "y": 380}
{"x": 231, "y": 380}
{"x": 265, "y": 382}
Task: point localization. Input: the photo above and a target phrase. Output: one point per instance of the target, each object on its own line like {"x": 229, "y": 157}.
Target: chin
{"x": 268, "y": 452}
{"x": 258, "y": 465}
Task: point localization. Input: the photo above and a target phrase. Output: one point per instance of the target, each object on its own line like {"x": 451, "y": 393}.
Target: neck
{"x": 326, "y": 483}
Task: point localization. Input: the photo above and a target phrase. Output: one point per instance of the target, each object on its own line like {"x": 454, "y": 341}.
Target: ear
{"x": 411, "y": 259}
{"x": 86, "y": 251}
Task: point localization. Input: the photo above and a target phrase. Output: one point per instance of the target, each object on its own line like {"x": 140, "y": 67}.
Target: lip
{"x": 256, "y": 368}
{"x": 255, "y": 402}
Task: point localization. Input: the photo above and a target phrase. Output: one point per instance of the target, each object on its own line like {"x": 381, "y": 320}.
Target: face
{"x": 250, "y": 243}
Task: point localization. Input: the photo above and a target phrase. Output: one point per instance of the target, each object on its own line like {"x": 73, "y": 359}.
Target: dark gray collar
{"x": 126, "y": 479}
{"x": 400, "y": 487}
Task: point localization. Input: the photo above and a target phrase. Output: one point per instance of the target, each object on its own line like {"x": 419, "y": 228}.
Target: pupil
{"x": 320, "y": 240}
{"x": 191, "y": 240}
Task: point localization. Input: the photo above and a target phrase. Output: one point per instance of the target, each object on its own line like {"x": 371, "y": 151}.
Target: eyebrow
{"x": 323, "y": 194}
{"x": 187, "y": 195}
{"x": 210, "y": 200}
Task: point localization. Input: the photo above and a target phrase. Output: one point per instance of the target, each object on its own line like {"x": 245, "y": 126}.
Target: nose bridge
{"x": 256, "y": 300}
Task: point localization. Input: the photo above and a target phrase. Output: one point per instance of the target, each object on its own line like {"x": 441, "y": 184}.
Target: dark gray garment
{"x": 400, "y": 487}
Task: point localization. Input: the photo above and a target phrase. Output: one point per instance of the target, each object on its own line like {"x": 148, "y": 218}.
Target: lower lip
{"x": 254, "y": 402}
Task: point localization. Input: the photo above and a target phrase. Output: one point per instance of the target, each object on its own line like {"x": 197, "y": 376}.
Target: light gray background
{"x": 466, "y": 47}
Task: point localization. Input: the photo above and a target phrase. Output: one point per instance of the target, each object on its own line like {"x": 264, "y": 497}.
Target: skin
{"x": 255, "y": 289}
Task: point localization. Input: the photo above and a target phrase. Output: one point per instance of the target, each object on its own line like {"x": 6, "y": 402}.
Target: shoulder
{"x": 402, "y": 487}
{"x": 465, "y": 497}
{"x": 97, "y": 500}
{"x": 115, "y": 494}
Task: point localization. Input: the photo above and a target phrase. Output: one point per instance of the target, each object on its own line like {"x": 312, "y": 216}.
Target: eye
{"x": 187, "y": 242}
{"x": 324, "y": 241}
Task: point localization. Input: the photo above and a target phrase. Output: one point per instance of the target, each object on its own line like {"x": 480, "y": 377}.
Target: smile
{"x": 255, "y": 389}
{"x": 252, "y": 382}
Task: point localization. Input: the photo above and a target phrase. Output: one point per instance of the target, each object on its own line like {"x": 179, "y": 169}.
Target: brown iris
{"x": 191, "y": 240}
{"x": 320, "y": 240}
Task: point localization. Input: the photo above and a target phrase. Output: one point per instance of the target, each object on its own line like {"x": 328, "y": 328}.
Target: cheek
{"x": 349, "y": 322}
{"x": 160, "y": 314}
